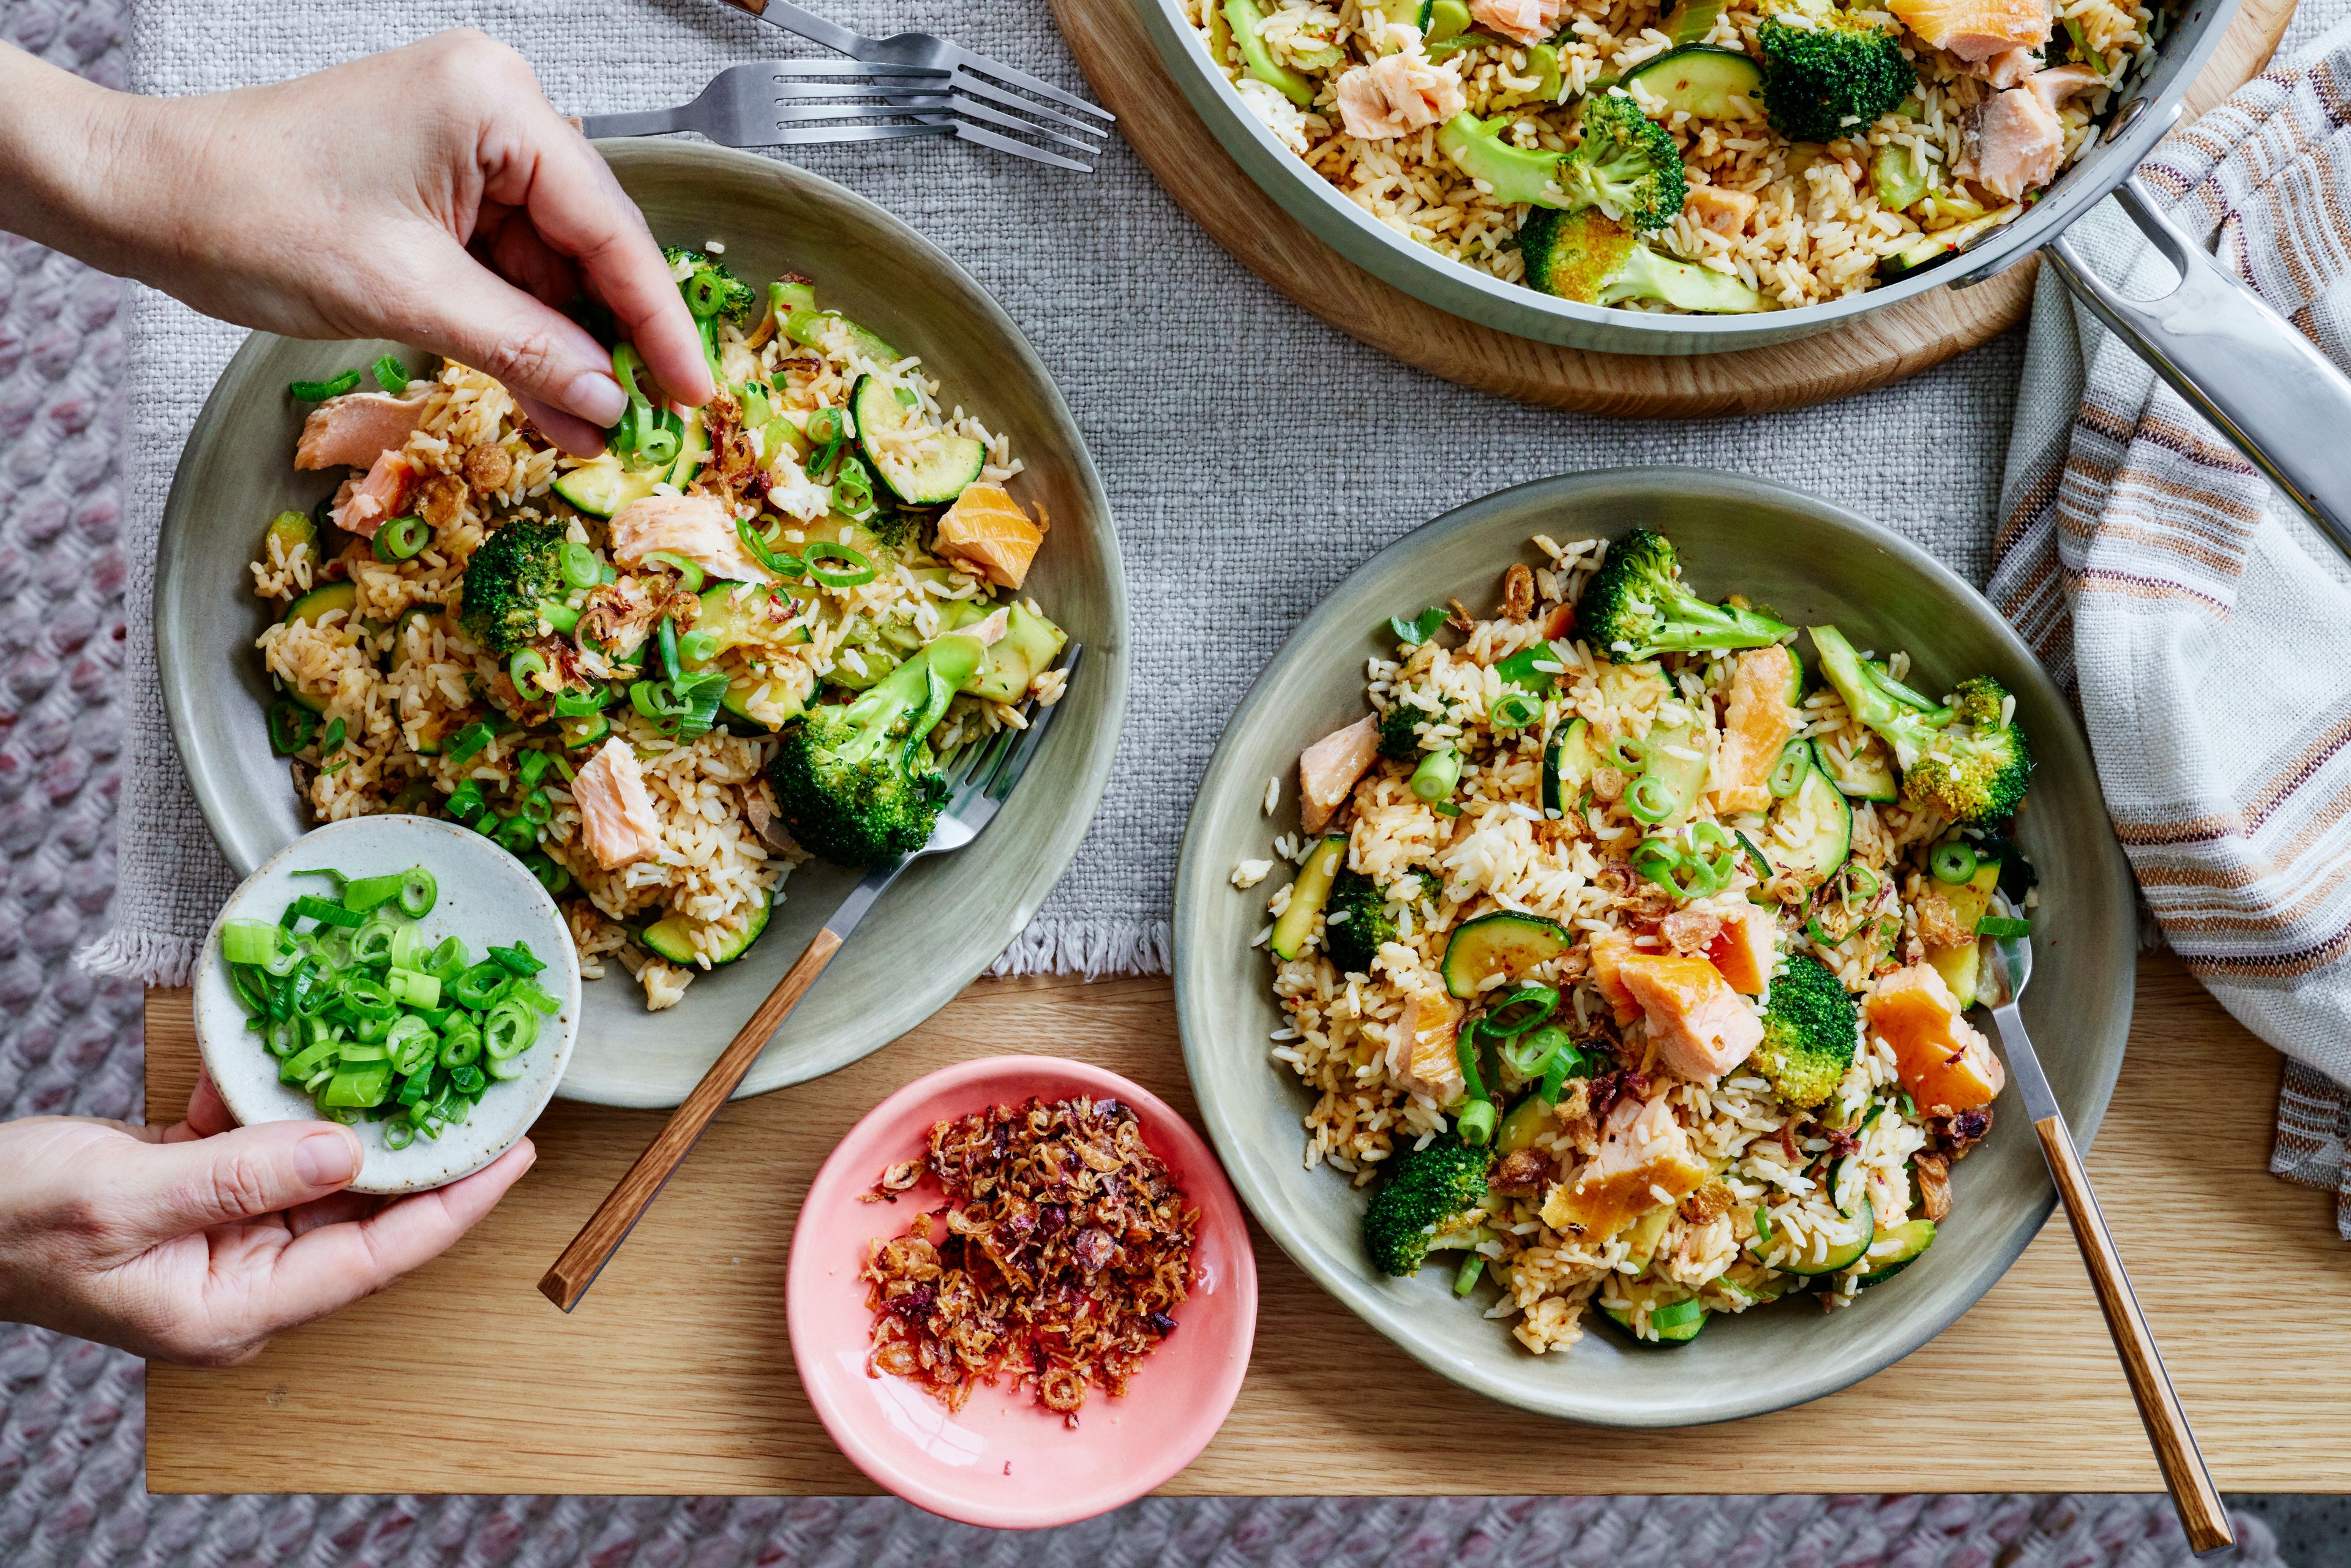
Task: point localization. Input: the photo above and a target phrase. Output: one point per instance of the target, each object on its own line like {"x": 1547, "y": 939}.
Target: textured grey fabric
{"x": 1253, "y": 456}
{"x": 71, "y": 1425}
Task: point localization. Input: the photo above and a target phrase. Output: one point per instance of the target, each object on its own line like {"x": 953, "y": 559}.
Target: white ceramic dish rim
{"x": 184, "y": 689}
{"x": 1509, "y": 308}
{"x": 1197, "y": 881}
{"x": 562, "y": 962}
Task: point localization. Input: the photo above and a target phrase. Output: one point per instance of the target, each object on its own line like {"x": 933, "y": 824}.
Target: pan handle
{"x": 2239, "y": 363}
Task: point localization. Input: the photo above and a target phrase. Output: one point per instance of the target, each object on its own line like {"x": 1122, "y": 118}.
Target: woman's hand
{"x": 196, "y": 1242}
{"x": 430, "y": 196}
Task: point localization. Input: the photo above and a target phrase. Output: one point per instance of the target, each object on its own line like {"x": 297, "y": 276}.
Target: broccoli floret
{"x": 1425, "y": 1204}
{"x": 1636, "y": 608}
{"x": 1967, "y": 761}
{"x": 1809, "y": 1027}
{"x": 1398, "y": 743}
{"x": 1352, "y": 943}
{"x": 1589, "y": 258}
{"x": 1832, "y": 79}
{"x": 857, "y": 785}
{"x": 1626, "y": 164}
{"x": 513, "y": 579}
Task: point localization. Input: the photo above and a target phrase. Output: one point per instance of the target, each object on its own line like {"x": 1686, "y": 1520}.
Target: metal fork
{"x": 2201, "y": 1512}
{"x": 800, "y": 103}
{"x": 979, "y": 781}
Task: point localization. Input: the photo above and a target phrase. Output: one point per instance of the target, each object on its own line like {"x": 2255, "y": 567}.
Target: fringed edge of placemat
{"x": 148, "y": 956}
{"x": 1090, "y": 949}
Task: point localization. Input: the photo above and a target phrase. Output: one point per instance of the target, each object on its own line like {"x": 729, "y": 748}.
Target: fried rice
{"x": 1755, "y": 1196}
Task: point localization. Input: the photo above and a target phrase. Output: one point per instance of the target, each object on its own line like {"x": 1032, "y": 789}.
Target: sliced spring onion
{"x": 1954, "y": 862}
{"x": 530, "y": 768}
{"x": 698, "y": 647}
{"x": 402, "y": 539}
{"x": 1475, "y": 1125}
{"x": 251, "y": 941}
{"x": 371, "y": 943}
{"x": 390, "y": 375}
{"x": 527, "y": 668}
{"x": 689, "y": 570}
{"x": 1520, "y": 1011}
{"x": 479, "y": 985}
{"x": 333, "y": 741}
{"x": 579, "y": 566}
{"x": 855, "y": 570}
{"x": 1437, "y": 774}
{"x": 419, "y": 891}
{"x": 1466, "y": 1280}
{"x": 319, "y": 391}
{"x": 413, "y": 988}
{"x": 460, "y": 1045}
{"x": 1650, "y": 799}
{"x": 561, "y": 618}
{"x": 1627, "y": 752}
{"x": 518, "y": 959}
{"x": 366, "y": 895}
{"x": 1788, "y": 772}
{"x": 784, "y": 564}
{"x": 290, "y": 727}
{"x": 1515, "y": 710}
{"x": 326, "y": 914}
{"x": 399, "y": 1134}
{"x": 1755, "y": 857}
{"x": 826, "y": 426}
{"x": 408, "y": 949}
{"x": 665, "y": 639}
{"x": 469, "y": 740}
{"x": 550, "y": 872}
{"x": 2004, "y": 927}
{"x": 509, "y": 1030}
{"x": 575, "y": 703}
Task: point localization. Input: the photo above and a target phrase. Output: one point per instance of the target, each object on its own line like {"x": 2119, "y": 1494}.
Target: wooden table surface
{"x": 673, "y": 1375}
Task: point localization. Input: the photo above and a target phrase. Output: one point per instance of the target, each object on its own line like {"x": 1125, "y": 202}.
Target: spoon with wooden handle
{"x": 2201, "y": 1512}
{"x": 976, "y": 787}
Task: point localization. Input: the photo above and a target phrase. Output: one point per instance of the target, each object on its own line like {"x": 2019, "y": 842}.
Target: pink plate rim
{"x": 1187, "y": 1421}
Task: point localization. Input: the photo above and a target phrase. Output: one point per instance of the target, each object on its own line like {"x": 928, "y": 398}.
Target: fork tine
{"x": 786, "y": 137}
{"x": 967, "y": 108}
{"x": 1020, "y": 78}
{"x": 986, "y": 757}
{"x": 807, "y": 112}
{"x": 966, "y": 82}
{"x": 965, "y": 131}
{"x": 820, "y": 91}
{"x": 1033, "y": 738}
{"x": 844, "y": 68}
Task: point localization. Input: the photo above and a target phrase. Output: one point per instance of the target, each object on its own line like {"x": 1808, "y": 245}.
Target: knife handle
{"x": 2201, "y": 1512}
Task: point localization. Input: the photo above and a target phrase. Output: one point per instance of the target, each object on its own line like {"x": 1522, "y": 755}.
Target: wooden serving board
{"x": 1107, "y": 38}
{"x": 675, "y": 1375}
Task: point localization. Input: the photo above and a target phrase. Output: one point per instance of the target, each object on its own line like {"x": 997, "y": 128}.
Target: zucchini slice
{"x": 1703, "y": 81}
{"x": 1503, "y": 943}
{"x": 321, "y": 601}
{"x": 1569, "y": 761}
{"x": 1868, "y": 775}
{"x": 1524, "y": 1123}
{"x": 1245, "y": 18}
{"x": 1675, "y": 1316}
{"x": 671, "y": 938}
{"x": 1824, "y": 848}
{"x": 1692, "y": 20}
{"x": 1308, "y": 893}
{"x": 603, "y": 486}
{"x": 1684, "y": 776}
{"x": 578, "y": 733}
{"x": 923, "y": 468}
{"x": 1843, "y": 1256}
{"x": 1917, "y": 1236}
{"x": 1030, "y": 645}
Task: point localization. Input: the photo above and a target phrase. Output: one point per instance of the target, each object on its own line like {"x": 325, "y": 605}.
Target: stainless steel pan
{"x": 2234, "y": 357}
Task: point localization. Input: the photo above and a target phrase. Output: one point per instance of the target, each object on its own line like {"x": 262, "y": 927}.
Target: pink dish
{"x": 1004, "y": 1460}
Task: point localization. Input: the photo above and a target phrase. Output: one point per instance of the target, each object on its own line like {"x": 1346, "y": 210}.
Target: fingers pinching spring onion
{"x": 374, "y": 1020}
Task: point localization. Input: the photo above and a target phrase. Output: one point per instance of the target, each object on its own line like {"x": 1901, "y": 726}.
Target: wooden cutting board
{"x": 1120, "y": 60}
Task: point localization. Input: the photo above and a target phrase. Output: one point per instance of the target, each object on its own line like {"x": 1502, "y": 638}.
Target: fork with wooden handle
{"x": 977, "y": 787}
{"x": 2201, "y": 1512}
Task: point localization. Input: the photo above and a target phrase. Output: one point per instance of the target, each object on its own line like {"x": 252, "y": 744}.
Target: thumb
{"x": 175, "y": 1189}
{"x": 468, "y": 313}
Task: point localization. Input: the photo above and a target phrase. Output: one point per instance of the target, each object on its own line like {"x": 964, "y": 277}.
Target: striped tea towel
{"x": 2199, "y": 619}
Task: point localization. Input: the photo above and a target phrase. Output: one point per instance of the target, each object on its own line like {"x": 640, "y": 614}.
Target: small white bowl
{"x": 486, "y": 898}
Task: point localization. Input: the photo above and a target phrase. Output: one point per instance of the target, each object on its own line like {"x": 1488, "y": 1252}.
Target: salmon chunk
{"x": 1528, "y": 22}
{"x": 1327, "y": 770}
{"x": 1943, "y": 1059}
{"x": 616, "y": 814}
{"x": 2007, "y": 69}
{"x": 1397, "y": 94}
{"x": 1976, "y": 30}
{"x": 1608, "y": 951}
{"x": 1422, "y": 1056}
{"x": 1699, "y": 1024}
{"x": 1724, "y": 212}
{"x": 2055, "y": 85}
{"x": 1757, "y": 722}
{"x": 353, "y": 430}
{"x": 1745, "y": 950}
{"x": 365, "y": 504}
{"x": 698, "y": 528}
{"x": 987, "y": 528}
{"x": 2010, "y": 143}
{"x": 1645, "y": 1162}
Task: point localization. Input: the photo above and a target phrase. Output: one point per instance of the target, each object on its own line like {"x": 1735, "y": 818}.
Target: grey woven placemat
{"x": 1253, "y": 456}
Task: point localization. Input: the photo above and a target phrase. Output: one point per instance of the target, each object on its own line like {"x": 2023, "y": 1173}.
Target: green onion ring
{"x": 1520, "y": 1011}
{"x": 698, "y": 647}
{"x": 784, "y": 564}
{"x": 1650, "y": 799}
{"x": 691, "y": 571}
{"x": 574, "y": 702}
{"x": 1788, "y": 773}
{"x": 1953, "y": 862}
{"x": 290, "y": 727}
{"x": 859, "y": 570}
{"x": 581, "y": 568}
{"x": 319, "y": 391}
{"x": 419, "y": 892}
{"x": 400, "y": 539}
{"x": 528, "y": 669}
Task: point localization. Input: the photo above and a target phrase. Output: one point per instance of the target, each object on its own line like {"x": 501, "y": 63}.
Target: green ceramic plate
{"x": 1809, "y": 562}
{"x": 950, "y": 916}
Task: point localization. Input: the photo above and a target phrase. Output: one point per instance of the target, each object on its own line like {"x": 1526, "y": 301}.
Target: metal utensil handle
{"x": 648, "y": 122}
{"x": 2237, "y": 360}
